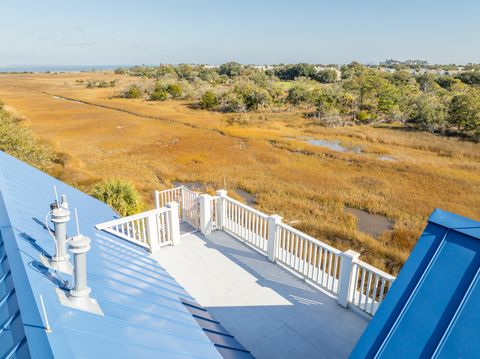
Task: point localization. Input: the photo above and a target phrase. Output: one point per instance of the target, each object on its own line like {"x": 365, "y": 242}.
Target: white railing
{"x": 369, "y": 285}
{"x": 151, "y": 229}
{"x": 354, "y": 282}
{"x": 187, "y": 200}
{"x": 167, "y": 196}
{"x": 190, "y": 210}
{"x": 313, "y": 259}
{"x": 246, "y": 223}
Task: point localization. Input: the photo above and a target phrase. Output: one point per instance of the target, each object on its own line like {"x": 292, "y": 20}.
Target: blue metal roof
{"x": 432, "y": 309}
{"x": 144, "y": 316}
{"x": 13, "y": 342}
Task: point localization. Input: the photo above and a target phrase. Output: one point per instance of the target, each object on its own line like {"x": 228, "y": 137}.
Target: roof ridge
{"x": 455, "y": 222}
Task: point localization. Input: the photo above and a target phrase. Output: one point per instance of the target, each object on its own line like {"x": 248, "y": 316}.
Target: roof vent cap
{"x": 79, "y": 296}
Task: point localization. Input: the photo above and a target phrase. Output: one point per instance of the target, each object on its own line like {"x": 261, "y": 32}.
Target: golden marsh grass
{"x": 153, "y": 144}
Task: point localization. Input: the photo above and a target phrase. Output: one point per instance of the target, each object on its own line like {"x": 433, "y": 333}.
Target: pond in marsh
{"x": 334, "y": 145}
{"x": 249, "y": 198}
{"x": 372, "y": 224}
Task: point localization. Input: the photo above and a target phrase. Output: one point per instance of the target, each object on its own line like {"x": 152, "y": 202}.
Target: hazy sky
{"x": 215, "y": 31}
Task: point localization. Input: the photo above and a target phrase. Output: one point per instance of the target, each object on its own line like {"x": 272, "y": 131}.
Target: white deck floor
{"x": 270, "y": 311}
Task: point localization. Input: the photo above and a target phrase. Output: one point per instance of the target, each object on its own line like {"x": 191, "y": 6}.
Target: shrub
{"x": 208, "y": 101}
{"x": 175, "y": 90}
{"x": 256, "y": 98}
{"x": 17, "y": 140}
{"x": 120, "y": 195}
{"x": 232, "y": 102}
{"x": 299, "y": 94}
{"x": 92, "y": 83}
{"x": 363, "y": 116}
{"x": 159, "y": 95}
{"x": 133, "y": 92}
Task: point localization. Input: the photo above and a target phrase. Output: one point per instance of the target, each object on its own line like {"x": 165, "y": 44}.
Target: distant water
{"x": 57, "y": 68}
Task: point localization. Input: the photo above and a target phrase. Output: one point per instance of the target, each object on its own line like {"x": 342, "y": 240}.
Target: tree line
{"x": 331, "y": 95}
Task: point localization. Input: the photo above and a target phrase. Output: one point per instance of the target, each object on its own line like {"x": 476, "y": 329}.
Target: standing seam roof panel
{"x": 431, "y": 308}
{"x": 143, "y": 315}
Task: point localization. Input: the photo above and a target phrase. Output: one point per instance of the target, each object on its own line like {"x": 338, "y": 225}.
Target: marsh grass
{"x": 153, "y": 144}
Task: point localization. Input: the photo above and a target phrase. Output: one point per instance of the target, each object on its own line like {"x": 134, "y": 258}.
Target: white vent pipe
{"x": 60, "y": 217}
{"x": 79, "y": 246}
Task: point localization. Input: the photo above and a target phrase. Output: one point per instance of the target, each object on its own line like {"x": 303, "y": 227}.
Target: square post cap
{"x": 172, "y": 204}
{"x": 221, "y": 193}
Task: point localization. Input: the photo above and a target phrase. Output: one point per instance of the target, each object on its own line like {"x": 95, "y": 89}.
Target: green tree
{"x": 427, "y": 82}
{"x": 326, "y": 103}
{"x": 464, "y": 112}
{"x": 351, "y": 70}
{"x": 400, "y": 78}
{"x": 252, "y": 95}
{"x": 301, "y": 92}
{"x": 291, "y": 72}
{"x": 326, "y": 76}
{"x": 209, "y": 100}
{"x": 429, "y": 111}
{"x": 470, "y": 77}
{"x": 209, "y": 75}
{"x": 447, "y": 82}
{"x": 120, "y": 195}
{"x": 256, "y": 98}
{"x": 186, "y": 72}
{"x": 230, "y": 69}
{"x": 388, "y": 97}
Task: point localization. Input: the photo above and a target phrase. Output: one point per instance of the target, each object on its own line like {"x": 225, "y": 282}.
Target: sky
{"x": 87, "y": 32}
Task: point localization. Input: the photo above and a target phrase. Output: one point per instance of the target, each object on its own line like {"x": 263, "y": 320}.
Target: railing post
{"x": 345, "y": 286}
{"x": 221, "y": 208}
{"x": 205, "y": 201}
{"x": 272, "y": 243}
{"x": 157, "y": 199}
{"x": 152, "y": 232}
{"x": 182, "y": 204}
{"x": 174, "y": 223}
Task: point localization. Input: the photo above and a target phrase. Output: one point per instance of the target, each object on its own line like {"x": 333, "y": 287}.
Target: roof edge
{"x": 455, "y": 222}
{"x": 37, "y": 340}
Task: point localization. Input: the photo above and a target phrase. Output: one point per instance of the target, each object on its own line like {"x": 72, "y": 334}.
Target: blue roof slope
{"x": 13, "y": 342}
{"x": 433, "y": 307}
{"x": 143, "y": 314}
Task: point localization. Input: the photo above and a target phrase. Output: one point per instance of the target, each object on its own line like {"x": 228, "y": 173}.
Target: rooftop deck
{"x": 272, "y": 312}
